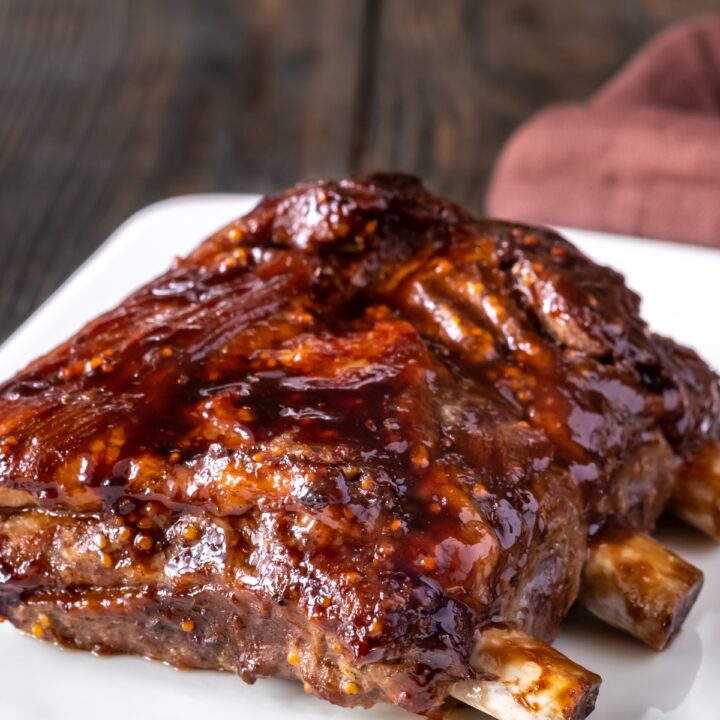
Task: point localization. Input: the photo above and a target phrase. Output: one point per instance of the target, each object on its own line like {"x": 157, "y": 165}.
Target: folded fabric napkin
{"x": 642, "y": 157}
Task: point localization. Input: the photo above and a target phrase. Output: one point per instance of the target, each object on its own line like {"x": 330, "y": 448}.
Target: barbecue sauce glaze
{"x": 362, "y": 404}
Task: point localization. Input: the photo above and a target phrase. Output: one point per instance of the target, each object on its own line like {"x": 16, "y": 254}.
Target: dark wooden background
{"x": 108, "y": 105}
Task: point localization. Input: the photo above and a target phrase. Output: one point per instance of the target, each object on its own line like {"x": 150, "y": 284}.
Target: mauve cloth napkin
{"x": 641, "y": 158}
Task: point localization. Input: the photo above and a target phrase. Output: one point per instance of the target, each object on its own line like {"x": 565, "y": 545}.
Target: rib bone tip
{"x": 637, "y": 585}
{"x": 520, "y": 678}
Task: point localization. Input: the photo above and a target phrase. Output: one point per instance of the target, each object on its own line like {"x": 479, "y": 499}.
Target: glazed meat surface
{"x": 352, "y": 429}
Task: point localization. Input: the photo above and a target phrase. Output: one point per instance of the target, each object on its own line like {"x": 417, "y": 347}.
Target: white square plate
{"x": 681, "y": 294}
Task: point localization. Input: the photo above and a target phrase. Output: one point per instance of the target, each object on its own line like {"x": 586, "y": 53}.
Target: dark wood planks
{"x": 454, "y": 78}
{"x": 108, "y": 106}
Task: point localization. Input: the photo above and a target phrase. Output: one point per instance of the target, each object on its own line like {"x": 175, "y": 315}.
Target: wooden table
{"x": 108, "y": 105}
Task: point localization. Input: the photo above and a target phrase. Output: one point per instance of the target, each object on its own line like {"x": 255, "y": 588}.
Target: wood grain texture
{"x": 455, "y": 78}
{"x": 108, "y": 106}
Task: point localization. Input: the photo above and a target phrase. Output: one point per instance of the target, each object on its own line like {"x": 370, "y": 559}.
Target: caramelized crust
{"x": 349, "y": 430}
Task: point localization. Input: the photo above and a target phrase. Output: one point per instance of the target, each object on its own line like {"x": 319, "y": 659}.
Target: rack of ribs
{"x": 362, "y": 439}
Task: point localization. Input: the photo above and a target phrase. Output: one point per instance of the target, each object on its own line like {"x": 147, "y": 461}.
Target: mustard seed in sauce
{"x": 37, "y": 630}
{"x": 191, "y": 532}
{"x": 144, "y": 542}
{"x": 293, "y": 658}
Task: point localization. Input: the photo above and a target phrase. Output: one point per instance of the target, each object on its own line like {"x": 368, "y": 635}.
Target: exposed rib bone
{"x": 633, "y": 583}
{"x": 520, "y": 678}
{"x": 696, "y": 499}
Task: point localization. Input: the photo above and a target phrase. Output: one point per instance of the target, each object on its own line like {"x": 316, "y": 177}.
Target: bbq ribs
{"x": 362, "y": 439}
